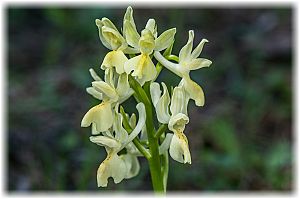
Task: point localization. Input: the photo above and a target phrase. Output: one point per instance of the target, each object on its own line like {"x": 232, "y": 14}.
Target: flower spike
{"x": 157, "y": 131}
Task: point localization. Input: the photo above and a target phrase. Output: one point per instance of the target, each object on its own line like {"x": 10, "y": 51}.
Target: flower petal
{"x": 110, "y": 77}
{"x": 132, "y": 65}
{"x": 101, "y": 115}
{"x": 132, "y": 165}
{"x": 155, "y": 92}
{"x": 130, "y": 50}
{"x": 108, "y": 133}
{"x": 194, "y": 91}
{"x": 142, "y": 66}
{"x": 107, "y": 90}
{"x": 113, "y": 166}
{"x": 179, "y": 148}
{"x": 106, "y": 22}
{"x": 114, "y": 38}
{"x": 129, "y": 29}
{"x": 129, "y": 15}
{"x": 120, "y": 133}
{"x": 175, "y": 68}
{"x": 162, "y": 107}
{"x": 151, "y": 25}
{"x": 165, "y": 39}
{"x": 94, "y": 130}
{"x": 198, "y": 63}
{"x": 105, "y": 141}
{"x": 94, "y": 75}
{"x": 123, "y": 88}
{"x": 100, "y": 24}
{"x": 148, "y": 68}
{"x": 96, "y": 94}
{"x": 115, "y": 59}
{"x": 131, "y": 35}
{"x": 142, "y": 119}
{"x": 197, "y": 51}
{"x": 179, "y": 101}
{"x": 185, "y": 52}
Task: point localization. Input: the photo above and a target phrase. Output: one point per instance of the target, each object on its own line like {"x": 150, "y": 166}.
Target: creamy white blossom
{"x": 188, "y": 61}
{"x": 115, "y": 89}
{"x": 179, "y": 149}
{"x": 123, "y": 136}
{"x": 115, "y": 166}
{"x": 142, "y": 66}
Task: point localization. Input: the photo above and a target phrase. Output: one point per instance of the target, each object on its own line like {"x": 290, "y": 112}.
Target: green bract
{"x": 130, "y": 72}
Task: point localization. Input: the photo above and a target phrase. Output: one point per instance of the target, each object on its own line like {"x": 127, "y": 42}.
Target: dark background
{"x": 240, "y": 140}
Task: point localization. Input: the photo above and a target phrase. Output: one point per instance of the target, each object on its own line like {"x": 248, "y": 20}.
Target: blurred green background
{"x": 240, "y": 140}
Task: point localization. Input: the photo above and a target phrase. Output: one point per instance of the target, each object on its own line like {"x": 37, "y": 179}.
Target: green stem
{"x": 141, "y": 148}
{"x": 172, "y": 58}
{"x": 154, "y": 161}
{"x": 165, "y": 157}
{"x": 144, "y": 142}
{"x": 161, "y": 130}
{"x": 135, "y": 141}
{"x": 158, "y": 67}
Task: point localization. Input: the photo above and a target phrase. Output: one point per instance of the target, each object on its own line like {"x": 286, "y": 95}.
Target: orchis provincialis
{"x": 142, "y": 65}
{"x": 130, "y": 71}
{"x": 115, "y": 89}
{"x": 188, "y": 61}
{"x": 179, "y": 149}
{"x": 114, "y": 140}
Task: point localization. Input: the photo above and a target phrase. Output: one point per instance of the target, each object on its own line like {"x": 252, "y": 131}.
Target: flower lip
{"x": 113, "y": 166}
{"x": 102, "y": 111}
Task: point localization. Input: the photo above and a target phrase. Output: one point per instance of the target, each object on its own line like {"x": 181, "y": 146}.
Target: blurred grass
{"x": 240, "y": 140}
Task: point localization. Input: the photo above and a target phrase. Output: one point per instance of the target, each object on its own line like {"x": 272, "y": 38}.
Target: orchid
{"x": 142, "y": 65}
{"x": 113, "y": 40}
{"x": 115, "y": 166}
{"x": 188, "y": 61}
{"x": 179, "y": 149}
{"x": 115, "y": 89}
{"x": 130, "y": 72}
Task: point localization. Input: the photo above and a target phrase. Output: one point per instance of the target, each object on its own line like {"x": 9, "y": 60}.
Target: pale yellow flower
{"x": 115, "y": 166}
{"x": 113, "y": 40}
{"x": 131, "y": 160}
{"x": 110, "y": 92}
{"x": 188, "y": 61}
{"x": 161, "y": 103}
{"x": 179, "y": 149}
{"x": 142, "y": 66}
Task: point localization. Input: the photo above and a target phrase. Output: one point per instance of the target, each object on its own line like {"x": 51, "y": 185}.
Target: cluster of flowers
{"x": 105, "y": 119}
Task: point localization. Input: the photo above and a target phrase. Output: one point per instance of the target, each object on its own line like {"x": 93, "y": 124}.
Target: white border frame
{"x": 152, "y": 4}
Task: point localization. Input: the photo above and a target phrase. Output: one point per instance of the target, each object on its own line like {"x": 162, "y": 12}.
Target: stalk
{"x": 154, "y": 160}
